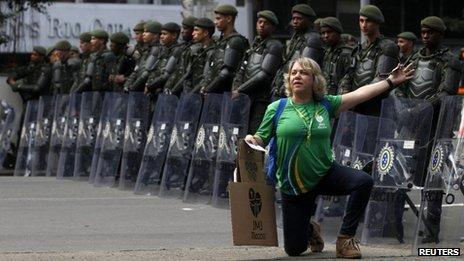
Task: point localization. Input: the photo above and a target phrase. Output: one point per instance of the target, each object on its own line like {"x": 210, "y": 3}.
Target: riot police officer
{"x": 124, "y": 64}
{"x": 85, "y": 45}
{"x": 140, "y": 47}
{"x": 304, "y": 42}
{"x": 438, "y": 71}
{"x": 405, "y": 42}
{"x": 372, "y": 60}
{"x": 202, "y": 48}
{"x": 337, "y": 56}
{"x": 167, "y": 60}
{"x": 259, "y": 66}
{"x": 64, "y": 70}
{"x": 186, "y": 34}
{"x": 227, "y": 55}
{"x": 148, "y": 60}
{"x": 99, "y": 67}
{"x": 33, "y": 80}
{"x": 437, "y": 74}
{"x": 86, "y": 48}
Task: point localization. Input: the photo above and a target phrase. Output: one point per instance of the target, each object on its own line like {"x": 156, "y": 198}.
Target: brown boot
{"x": 347, "y": 247}
{"x": 316, "y": 243}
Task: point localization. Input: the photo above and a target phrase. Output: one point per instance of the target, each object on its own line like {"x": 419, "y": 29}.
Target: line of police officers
{"x": 202, "y": 63}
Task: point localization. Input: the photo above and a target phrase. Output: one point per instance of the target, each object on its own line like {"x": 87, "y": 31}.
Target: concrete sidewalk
{"x": 42, "y": 218}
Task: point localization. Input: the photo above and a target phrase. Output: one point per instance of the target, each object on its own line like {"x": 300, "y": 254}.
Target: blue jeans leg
{"x": 341, "y": 180}
{"x": 296, "y": 214}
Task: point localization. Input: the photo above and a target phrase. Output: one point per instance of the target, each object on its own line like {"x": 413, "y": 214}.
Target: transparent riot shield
{"x": 334, "y": 206}
{"x": 354, "y": 146}
{"x": 199, "y": 186}
{"x": 366, "y": 133}
{"x": 23, "y": 164}
{"x": 112, "y": 141}
{"x": 91, "y": 106}
{"x": 181, "y": 145}
{"x": 154, "y": 155}
{"x": 7, "y": 118}
{"x": 330, "y": 209}
{"x": 401, "y": 158}
{"x": 135, "y": 137}
{"x": 234, "y": 125}
{"x": 442, "y": 207}
{"x": 105, "y": 110}
{"x": 42, "y": 137}
{"x": 68, "y": 147}
{"x": 57, "y": 135}
{"x": 344, "y": 138}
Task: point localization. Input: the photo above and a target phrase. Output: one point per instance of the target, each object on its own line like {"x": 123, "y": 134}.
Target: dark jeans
{"x": 296, "y": 210}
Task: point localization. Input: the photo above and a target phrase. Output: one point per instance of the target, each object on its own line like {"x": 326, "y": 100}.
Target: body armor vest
{"x": 425, "y": 81}
{"x": 254, "y": 59}
{"x": 334, "y": 67}
{"x": 366, "y": 61}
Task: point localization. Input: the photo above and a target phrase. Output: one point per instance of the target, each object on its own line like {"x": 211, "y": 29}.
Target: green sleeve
{"x": 335, "y": 101}
{"x": 265, "y": 129}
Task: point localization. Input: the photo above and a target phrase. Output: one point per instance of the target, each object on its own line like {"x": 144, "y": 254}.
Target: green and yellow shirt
{"x": 303, "y": 157}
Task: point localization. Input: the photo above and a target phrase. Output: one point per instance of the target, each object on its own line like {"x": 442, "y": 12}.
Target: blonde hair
{"x": 319, "y": 84}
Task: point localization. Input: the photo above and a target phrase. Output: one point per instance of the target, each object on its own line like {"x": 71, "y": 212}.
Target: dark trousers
{"x": 296, "y": 210}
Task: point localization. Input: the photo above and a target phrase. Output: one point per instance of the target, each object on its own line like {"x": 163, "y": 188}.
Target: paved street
{"x": 45, "y": 218}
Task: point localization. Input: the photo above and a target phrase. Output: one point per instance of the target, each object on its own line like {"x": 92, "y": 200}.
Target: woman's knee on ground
{"x": 296, "y": 249}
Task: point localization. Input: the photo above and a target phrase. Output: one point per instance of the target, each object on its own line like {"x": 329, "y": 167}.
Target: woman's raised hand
{"x": 401, "y": 74}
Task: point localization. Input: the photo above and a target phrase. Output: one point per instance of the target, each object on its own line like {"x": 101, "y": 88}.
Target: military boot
{"x": 316, "y": 243}
{"x": 347, "y": 247}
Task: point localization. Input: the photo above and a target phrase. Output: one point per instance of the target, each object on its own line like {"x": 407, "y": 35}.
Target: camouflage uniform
{"x": 167, "y": 65}
{"x": 146, "y": 63}
{"x": 222, "y": 62}
{"x": 371, "y": 62}
{"x": 335, "y": 65}
{"x": 303, "y": 43}
{"x": 255, "y": 76}
{"x": 124, "y": 65}
{"x": 33, "y": 80}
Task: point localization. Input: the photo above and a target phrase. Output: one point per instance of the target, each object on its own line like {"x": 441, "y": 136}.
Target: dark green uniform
{"x": 223, "y": 62}
{"x": 33, "y": 80}
{"x": 371, "y": 62}
{"x": 85, "y": 59}
{"x": 435, "y": 76}
{"x": 255, "y": 76}
{"x": 124, "y": 65}
{"x": 158, "y": 77}
{"x": 64, "y": 74}
{"x": 136, "y": 81}
{"x": 405, "y": 59}
{"x": 335, "y": 65}
{"x": 182, "y": 65}
{"x": 194, "y": 67}
{"x": 97, "y": 72}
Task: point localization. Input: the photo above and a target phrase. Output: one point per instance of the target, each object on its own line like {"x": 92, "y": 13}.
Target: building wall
{"x": 68, "y": 20}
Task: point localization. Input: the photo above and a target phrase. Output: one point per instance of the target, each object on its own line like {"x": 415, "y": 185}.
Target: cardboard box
{"x": 250, "y": 164}
{"x": 253, "y": 214}
{"x": 252, "y": 202}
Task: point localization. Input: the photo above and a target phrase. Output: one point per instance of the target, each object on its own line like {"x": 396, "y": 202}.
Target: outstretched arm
{"x": 397, "y": 76}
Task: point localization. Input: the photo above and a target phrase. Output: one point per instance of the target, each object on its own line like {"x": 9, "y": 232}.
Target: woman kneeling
{"x": 305, "y": 164}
